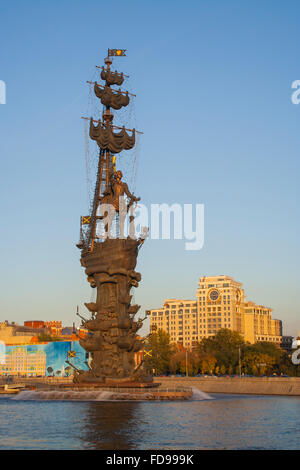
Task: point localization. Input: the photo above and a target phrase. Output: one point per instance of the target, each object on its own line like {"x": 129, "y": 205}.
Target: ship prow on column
{"x": 107, "y": 254}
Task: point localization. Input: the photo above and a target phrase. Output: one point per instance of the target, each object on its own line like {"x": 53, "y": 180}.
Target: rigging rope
{"x": 126, "y": 161}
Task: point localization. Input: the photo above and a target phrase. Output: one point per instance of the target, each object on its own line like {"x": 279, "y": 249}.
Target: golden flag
{"x": 116, "y": 52}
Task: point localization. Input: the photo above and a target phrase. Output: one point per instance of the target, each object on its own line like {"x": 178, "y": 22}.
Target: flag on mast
{"x": 116, "y": 52}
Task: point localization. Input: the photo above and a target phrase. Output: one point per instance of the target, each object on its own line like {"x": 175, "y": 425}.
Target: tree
{"x": 264, "y": 347}
{"x": 158, "y": 351}
{"x": 49, "y": 370}
{"x": 175, "y": 362}
{"x": 257, "y": 363}
{"x": 186, "y": 363}
{"x": 264, "y": 358}
{"x": 207, "y": 363}
{"x": 224, "y": 347}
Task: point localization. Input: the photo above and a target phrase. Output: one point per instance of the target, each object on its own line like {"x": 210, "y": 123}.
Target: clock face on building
{"x": 214, "y": 295}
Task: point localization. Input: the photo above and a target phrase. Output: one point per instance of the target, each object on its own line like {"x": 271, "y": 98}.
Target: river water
{"x": 222, "y": 422}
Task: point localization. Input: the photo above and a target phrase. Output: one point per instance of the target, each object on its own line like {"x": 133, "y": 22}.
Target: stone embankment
{"x": 244, "y": 385}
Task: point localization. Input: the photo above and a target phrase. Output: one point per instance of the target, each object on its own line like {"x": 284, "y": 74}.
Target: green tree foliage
{"x": 224, "y": 347}
{"x": 207, "y": 363}
{"x": 266, "y": 358}
{"x": 257, "y": 363}
{"x": 185, "y": 362}
{"x": 191, "y": 362}
{"x": 220, "y": 355}
{"x": 159, "y": 354}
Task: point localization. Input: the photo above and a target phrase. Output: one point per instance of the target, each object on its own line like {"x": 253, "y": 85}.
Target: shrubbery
{"x": 224, "y": 354}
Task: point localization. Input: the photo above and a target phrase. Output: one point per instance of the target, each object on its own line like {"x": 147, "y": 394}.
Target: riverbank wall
{"x": 289, "y": 386}
{"x": 231, "y": 385}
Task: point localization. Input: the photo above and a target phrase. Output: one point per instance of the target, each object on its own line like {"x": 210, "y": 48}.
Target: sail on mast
{"x": 114, "y": 99}
{"x": 112, "y": 78}
{"x": 111, "y": 140}
{"x": 114, "y": 142}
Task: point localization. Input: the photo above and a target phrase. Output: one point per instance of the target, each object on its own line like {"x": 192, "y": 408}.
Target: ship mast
{"x": 110, "y": 260}
{"x": 109, "y": 142}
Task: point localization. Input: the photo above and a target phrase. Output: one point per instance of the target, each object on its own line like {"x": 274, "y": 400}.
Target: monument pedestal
{"x": 90, "y": 381}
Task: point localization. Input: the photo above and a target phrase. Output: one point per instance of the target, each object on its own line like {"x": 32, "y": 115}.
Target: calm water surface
{"x": 227, "y": 422}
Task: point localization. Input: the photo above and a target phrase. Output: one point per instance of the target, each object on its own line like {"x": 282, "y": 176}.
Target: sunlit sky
{"x": 213, "y": 84}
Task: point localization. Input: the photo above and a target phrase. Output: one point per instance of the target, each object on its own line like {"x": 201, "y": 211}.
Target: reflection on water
{"x": 110, "y": 426}
{"x": 227, "y": 422}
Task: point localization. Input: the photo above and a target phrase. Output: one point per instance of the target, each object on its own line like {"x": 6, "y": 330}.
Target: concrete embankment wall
{"x": 244, "y": 385}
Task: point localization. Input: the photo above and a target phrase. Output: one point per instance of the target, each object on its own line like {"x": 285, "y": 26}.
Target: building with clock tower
{"x": 220, "y": 304}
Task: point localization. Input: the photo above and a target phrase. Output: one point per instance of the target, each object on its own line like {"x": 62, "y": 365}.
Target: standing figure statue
{"x": 119, "y": 189}
{"x": 113, "y": 196}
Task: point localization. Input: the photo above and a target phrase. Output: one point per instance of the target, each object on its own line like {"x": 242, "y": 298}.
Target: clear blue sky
{"x": 213, "y": 83}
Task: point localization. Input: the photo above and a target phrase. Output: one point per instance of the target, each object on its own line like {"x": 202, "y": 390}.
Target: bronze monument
{"x": 110, "y": 258}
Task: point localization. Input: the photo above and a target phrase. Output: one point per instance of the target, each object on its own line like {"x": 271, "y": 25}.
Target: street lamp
{"x": 186, "y": 367}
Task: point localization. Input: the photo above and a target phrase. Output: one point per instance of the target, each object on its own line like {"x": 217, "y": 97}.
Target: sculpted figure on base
{"x": 110, "y": 260}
